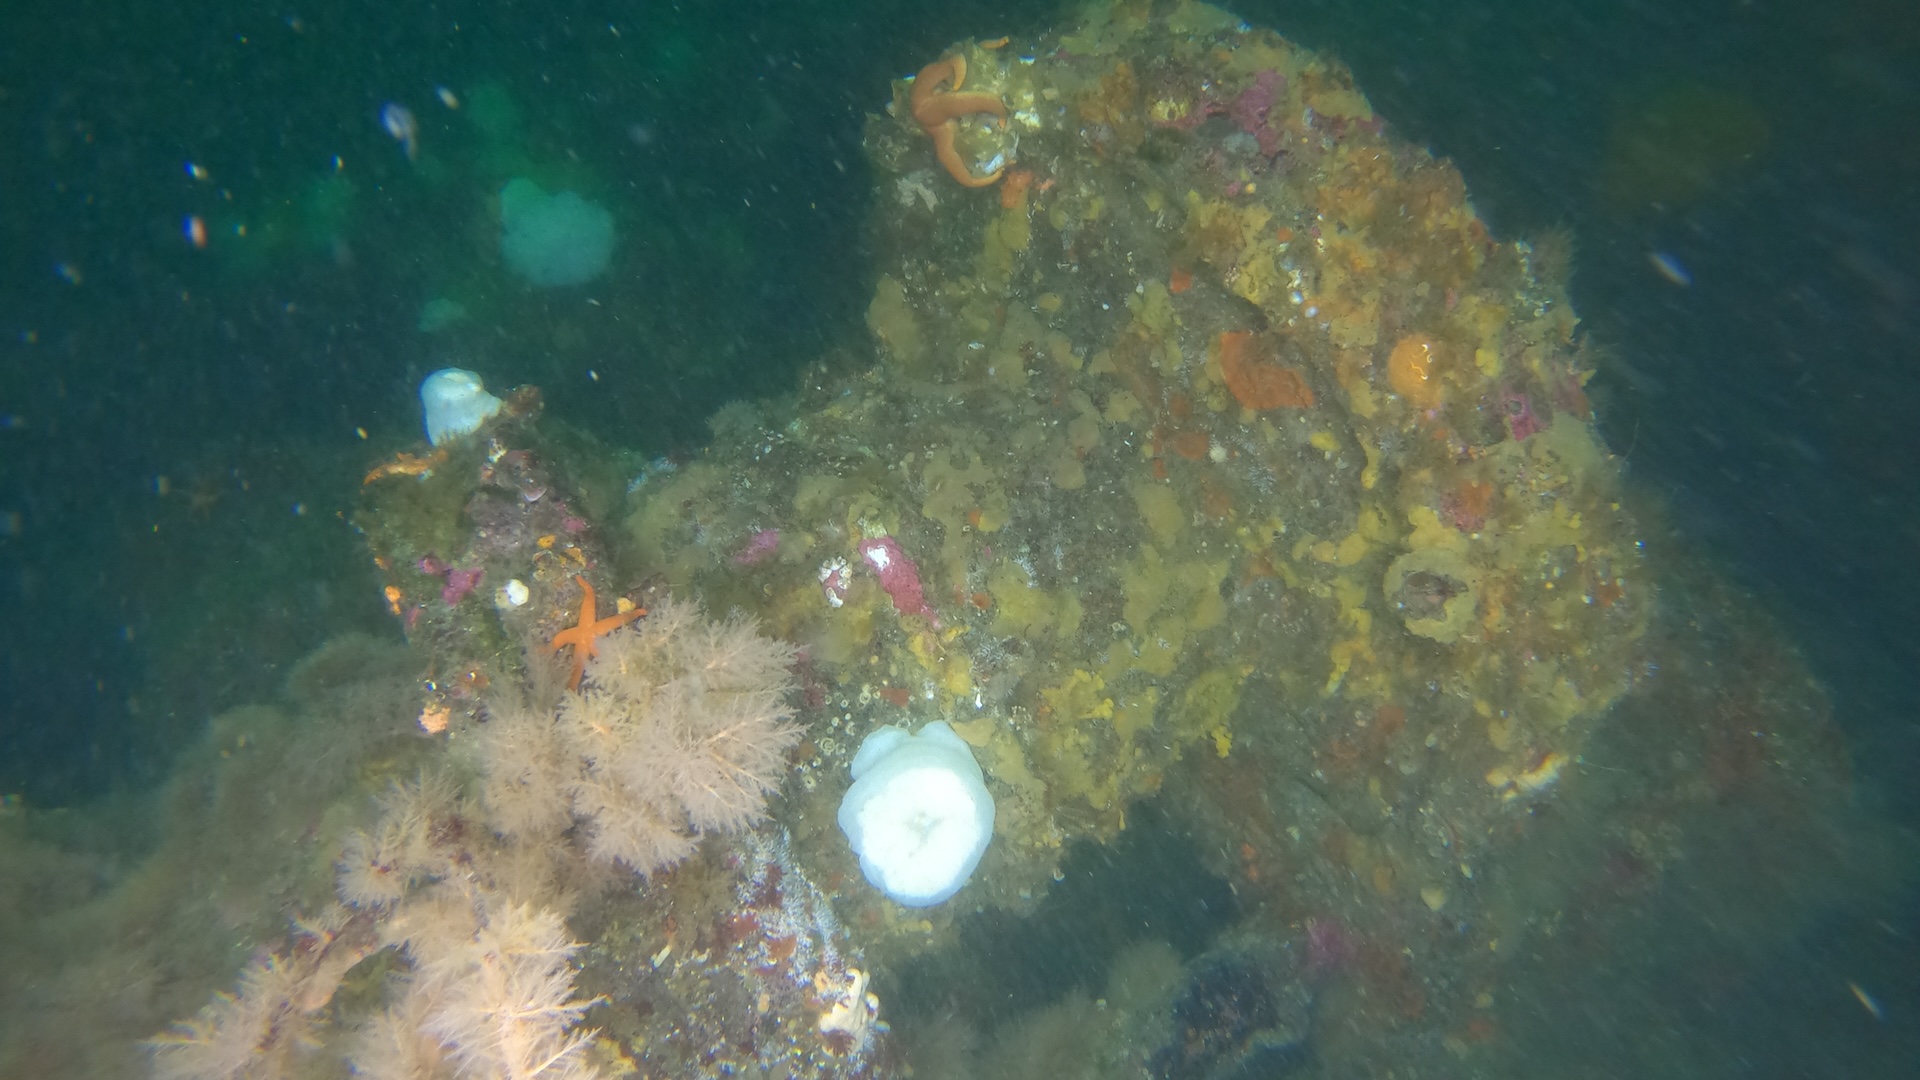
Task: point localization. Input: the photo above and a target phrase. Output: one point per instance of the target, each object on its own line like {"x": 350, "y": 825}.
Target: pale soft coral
{"x": 376, "y": 868}
{"x": 268, "y": 1024}
{"x": 680, "y": 728}
{"x": 251, "y": 1032}
{"x": 504, "y": 1003}
{"x": 490, "y": 993}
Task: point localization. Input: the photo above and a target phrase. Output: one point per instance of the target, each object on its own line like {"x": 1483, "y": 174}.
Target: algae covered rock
{"x": 1199, "y": 429}
{"x": 1433, "y": 593}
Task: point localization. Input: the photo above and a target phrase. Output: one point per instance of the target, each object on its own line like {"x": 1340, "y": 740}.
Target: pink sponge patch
{"x": 760, "y": 547}
{"x": 898, "y": 576}
{"x": 460, "y": 582}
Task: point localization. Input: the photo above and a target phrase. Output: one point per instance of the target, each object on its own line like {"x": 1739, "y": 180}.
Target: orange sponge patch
{"x": 1257, "y": 383}
{"x": 1410, "y": 371}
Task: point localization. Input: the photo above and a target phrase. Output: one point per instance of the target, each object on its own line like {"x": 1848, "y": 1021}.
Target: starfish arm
{"x": 943, "y": 107}
{"x": 581, "y": 632}
{"x": 949, "y": 156}
{"x": 926, "y": 85}
{"x": 614, "y": 622}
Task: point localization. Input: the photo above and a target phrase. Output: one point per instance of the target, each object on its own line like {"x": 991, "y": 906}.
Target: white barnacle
{"x": 853, "y": 1014}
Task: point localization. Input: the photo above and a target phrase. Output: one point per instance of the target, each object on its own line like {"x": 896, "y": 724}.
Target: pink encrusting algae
{"x": 460, "y": 582}
{"x": 759, "y": 548}
{"x": 898, "y": 576}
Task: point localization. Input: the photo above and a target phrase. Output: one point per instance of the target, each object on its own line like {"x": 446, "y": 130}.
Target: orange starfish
{"x": 582, "y": 635}
{"x": 938, "y": 113}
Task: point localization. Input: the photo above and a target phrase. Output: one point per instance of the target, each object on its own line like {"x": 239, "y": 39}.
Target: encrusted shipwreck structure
{"x": 1219, "y": 453}
{"x": 1213, "y": 454}
{"x": 1219, "y": 428}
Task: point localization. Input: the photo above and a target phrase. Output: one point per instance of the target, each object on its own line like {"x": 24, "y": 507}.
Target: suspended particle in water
{"x": 1670, "y": 268}
{"x": 399, "y": 122}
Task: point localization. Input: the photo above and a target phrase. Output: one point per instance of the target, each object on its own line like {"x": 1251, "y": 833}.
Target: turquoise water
{"x": 219, "y": 261}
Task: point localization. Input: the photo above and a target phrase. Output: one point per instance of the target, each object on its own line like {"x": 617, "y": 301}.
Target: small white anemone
{"x": 511, "y": 595}
{"x": 456, "y": 403}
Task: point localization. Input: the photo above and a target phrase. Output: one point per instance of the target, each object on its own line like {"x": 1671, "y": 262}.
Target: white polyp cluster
{"x": 455, "y": 403}
{"x": 918, "y": 813}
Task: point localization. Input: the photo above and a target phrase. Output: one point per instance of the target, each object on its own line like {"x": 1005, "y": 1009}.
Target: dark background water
{"x": 1772, "y": 150}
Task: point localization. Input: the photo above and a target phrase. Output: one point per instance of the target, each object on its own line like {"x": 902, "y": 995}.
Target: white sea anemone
{"x": 456, "y": 403}
{"x": 918, "y": 813}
